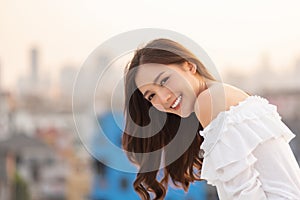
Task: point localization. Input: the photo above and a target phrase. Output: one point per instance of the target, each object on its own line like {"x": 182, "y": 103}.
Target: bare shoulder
{"x": 217, "y": 98}
{"x": 234, "y": 95}
{"x": 203, "y": 107}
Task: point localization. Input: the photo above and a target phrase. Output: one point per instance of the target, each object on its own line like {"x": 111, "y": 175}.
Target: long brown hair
{"x": 141, "y": 119}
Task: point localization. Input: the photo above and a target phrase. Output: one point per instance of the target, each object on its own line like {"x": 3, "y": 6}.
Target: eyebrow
{"x": 155, "y": 81}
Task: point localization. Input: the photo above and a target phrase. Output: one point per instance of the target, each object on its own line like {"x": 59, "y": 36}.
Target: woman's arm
{"x": 240, "y": 180}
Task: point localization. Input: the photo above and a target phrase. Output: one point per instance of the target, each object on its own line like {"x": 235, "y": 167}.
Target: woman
{"x": 245, "y": 143}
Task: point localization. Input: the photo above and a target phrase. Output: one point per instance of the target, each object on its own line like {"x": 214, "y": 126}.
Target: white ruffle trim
{"x": 235, "y": 133}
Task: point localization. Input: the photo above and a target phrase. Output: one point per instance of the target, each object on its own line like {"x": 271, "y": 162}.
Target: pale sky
{"x": 234, "y": 33}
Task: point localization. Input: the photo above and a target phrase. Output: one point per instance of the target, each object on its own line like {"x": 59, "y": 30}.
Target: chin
{"x": 185, "y": 115}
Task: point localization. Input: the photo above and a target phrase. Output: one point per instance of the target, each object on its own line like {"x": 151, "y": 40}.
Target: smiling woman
{"x": 159, "y": 85}
{"x": 245, "y": 143}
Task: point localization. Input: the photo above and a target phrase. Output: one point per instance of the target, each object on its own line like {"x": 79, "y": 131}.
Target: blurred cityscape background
{"x": 255, "y": 46}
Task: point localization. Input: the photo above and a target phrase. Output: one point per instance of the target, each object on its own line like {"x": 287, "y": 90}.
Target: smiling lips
{"x": 176, "y": 103}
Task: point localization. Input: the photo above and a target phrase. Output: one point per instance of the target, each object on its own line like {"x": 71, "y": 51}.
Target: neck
{"x": 204, "y": 84}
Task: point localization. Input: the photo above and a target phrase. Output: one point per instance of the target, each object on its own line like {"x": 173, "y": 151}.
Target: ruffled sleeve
{"x": 229, "y": 142}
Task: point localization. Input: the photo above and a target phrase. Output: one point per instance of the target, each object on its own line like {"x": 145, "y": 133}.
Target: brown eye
{"x": 162, "y": 82}
{"x": 150, "y": 97}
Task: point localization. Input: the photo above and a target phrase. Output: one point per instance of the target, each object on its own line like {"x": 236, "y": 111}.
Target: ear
{"x": 189, "y": 66}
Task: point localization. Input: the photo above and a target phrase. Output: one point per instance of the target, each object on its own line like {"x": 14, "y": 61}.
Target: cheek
{"x": 173, "y": 86}
{"x": 159, "y": 107}
{"x": 178, "y": 83}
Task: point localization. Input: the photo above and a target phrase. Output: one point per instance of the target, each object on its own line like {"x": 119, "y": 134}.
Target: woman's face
{"x": 170, "y": 88}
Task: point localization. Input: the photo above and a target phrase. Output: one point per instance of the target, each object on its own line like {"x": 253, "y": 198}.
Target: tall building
{"x": 34, "y": 65}
{"x": 0, "y": 78}
{"x": 29, "y": 84}
{"x": 34, "y": 83}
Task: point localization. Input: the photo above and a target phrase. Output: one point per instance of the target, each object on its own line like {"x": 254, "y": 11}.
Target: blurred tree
{"x": 19, "y": 189}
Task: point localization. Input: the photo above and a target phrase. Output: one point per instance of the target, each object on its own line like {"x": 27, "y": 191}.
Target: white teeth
{"x": 177, "y": 102}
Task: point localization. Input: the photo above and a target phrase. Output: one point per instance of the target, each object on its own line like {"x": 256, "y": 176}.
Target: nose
{"x": 164, "y": 97}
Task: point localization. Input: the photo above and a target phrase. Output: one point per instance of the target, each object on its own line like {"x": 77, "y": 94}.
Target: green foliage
{"x": 19, "y": 189}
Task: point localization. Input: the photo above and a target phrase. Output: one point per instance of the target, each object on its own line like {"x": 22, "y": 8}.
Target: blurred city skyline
{"x": 56, "y": 148}
{"x": 236, "y": 35}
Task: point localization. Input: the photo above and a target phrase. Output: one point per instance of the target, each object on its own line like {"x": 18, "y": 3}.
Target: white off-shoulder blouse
{"x": 247, "y": 155}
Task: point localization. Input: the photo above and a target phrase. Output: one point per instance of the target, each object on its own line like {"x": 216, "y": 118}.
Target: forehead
{"x": 146, "y": 73}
